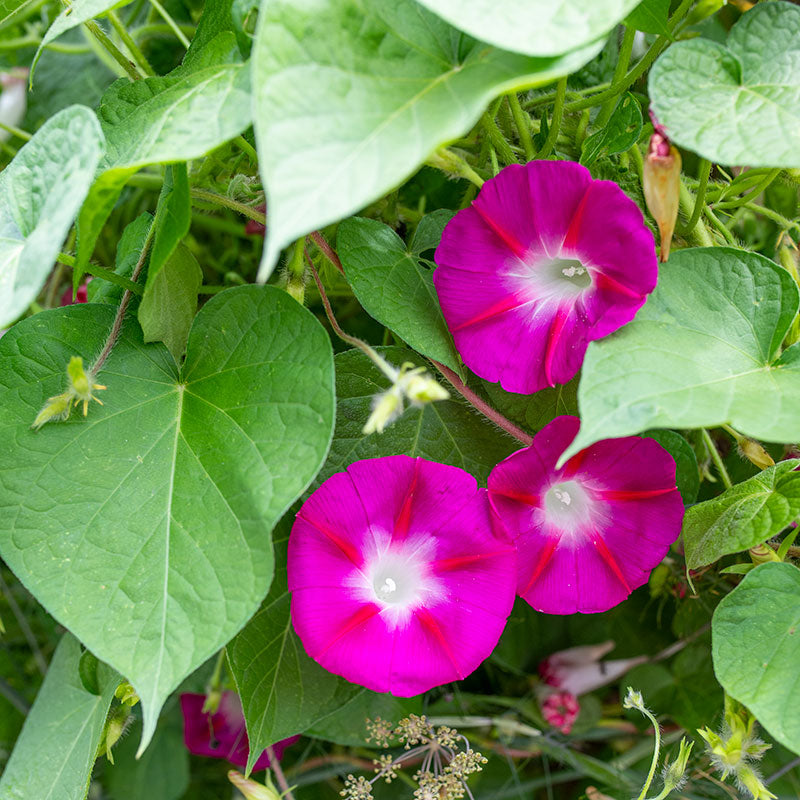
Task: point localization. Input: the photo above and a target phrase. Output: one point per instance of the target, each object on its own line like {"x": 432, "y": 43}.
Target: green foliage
{"x": 620, "y": 133}
{"x": 687, "y": 473}
{"x": 194, "y": 462}
{"x": 756, "y": 645}
{"x": 169, "y": 303}
{"x": 173, "y": 216}
{"x": 534, "y": 27}
{"x": 744, "y": 516}
{"x": 395, "y": 287}
{"x": 40, "y": 194}
{"x": 650, "y": 16}
{"x": 735, "y": 104}
{"x": 704, "y": 350}
{"x": 56, "y": 750}
{"x": 379, "y": 106}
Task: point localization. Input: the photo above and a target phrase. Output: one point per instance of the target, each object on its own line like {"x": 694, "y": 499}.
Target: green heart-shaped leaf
{"x": 740, "y": 103}
{"x": 145, "y": 528}
{"x": 744, "y": 516}
{"x": 40, "y": 194}
{"x": 756, "y": 648}
{"x": 351, "y": 96}
{"x": 533, "y": 27}
{"x": 395, "y": 287}
{"x": 704, "y": 350}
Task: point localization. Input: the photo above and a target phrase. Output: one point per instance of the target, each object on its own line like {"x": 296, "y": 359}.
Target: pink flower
{"x": 561, "y": 709}
{"x": 543, "y": 262}
{"x": 587, "y": 534}
{"x": 578, "y": 670}
{"x": 81, "y": 296}
{"x": 222, "y": 734}
{"x": 397, "y": 581}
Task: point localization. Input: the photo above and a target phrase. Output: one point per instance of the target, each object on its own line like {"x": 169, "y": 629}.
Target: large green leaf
{"x": 704, "y": 350}
{"x": 350, "y": 96}
{"x": 740, "y": 103}
{"x": 145, "y": 529}
{"x": 395, "y": 287}
{"x": 55, "y": 753}
{"x": 756, "y": 648}
{"x": 447, "y": 431}
{"x": 744, "y": 516}
{"x": 283, "y": 691}
{"x": 534, "y": 27}
{"x": 184, "y": 115}
{"x": 40, "y": 194}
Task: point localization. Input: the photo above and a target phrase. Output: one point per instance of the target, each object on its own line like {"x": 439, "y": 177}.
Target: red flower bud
{"x": 661, "y": 183}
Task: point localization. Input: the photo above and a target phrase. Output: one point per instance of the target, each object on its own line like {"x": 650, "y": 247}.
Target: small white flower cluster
{"x": 444, "y": 769}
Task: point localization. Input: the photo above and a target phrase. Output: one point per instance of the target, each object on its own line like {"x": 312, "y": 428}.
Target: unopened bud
{"x": 126, "y": 694}
{"x": 55, "y": 409}
{"x": 762, "y": 554}
{"x": 755, "y": 453}
{"x": 633, "y": 699}
{"x": 117, "y": 723}
{"x": 675, "y": 773}
{"x": 749, "y": 779}
{"x": 661, "y": 183}
{"x": 252, "y": 790}
{"x": 296, "y": 287}
{"x": 386, "y": 408}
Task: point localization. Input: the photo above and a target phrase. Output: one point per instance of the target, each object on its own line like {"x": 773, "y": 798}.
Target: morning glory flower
{"x": 398, "y": 582}
{"x": 590, "y": 533}
{"x": 544, "y": 261}
{"x": 221, "y": 734}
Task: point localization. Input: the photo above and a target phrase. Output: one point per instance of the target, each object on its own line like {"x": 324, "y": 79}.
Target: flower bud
{"x": 633, "y": 699}
{"x": 212, "y": 701}
{"x": 762, "y": 554}
{"x": 252, "y": 790}
{"x": 117, "y": 723}
{"x": 661, "y": 184}
{"x": 561, "y": 709}
{"x": 126, "y": 694}
{"x": 386, "y": 408}
{"x": 422, "y": 388}
{"x": 750, "y": 780}
{"x": 55, "y": 409}
{"x": 755, "y": 453}
{"x": 675, "y": 773}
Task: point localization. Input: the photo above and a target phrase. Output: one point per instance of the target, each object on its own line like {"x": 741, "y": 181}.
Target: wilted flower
{"x": 561, "y": 709}
{"x": 578, "y": 670}
{"x": 661, "y": 182}
{"x": 587, "y": 534}
{"x": 221, "y": 734}
{"x": 544, "y": 261}
{"x": 397, "y": 581}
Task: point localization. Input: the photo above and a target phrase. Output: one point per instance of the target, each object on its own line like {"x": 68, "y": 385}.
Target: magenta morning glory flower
{"x": 544, "y": 261}
{"x": 587, "y": 534}
{"x": 398, "y": 582}
{"x": 221, "y": 734}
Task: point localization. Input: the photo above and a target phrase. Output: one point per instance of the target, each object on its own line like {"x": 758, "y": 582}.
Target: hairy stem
{"x": 523, "y": 125}
{"x": 234, "y": 205}
{"x": 329, "y": 253}
{"x": 624, "y": 58}
{"x": 123, "y": 307}
{"x": 102, "y": 272}
{"x": 133, "y": 48}
{"x": 555, "y": 125}
{"x": 700, "y": 198}
{"x": 113, "y": 50}
{"x": 716, "y": 458}
{"x": 476, "y": 402}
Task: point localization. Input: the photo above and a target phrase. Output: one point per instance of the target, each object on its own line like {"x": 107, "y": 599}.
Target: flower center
{"x": 397, "y": 580}
{"x": 570, "y": 272}
{"x": 567, "y": 505}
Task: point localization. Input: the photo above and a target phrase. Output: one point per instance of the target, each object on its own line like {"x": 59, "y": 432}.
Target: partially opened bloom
{"x": 578, "y": 670}
{"x": 221, "y": 734}
{"x": 544, "y": 261}
{"x": 587, "y": 534}
{"x": 398, "y": 582}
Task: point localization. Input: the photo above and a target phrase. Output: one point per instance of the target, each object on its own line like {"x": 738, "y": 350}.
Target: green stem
{"x": 164, "y": 14}
{"x": 719, "y": 225}
{"x": 546, "y": 99}
{"x": 234, "y": 205}
{"x": 555, "y": 125}
{"x": 497, "y": 139}
{"x": 159, "y": 29}
{"x": 18, "y": 132}
{"x": 699, "y": 234}
{"x": 523, "y": 123}
{"x": 716, "y": 458}
{"x": 787, "y": 542}
{"x": 102, "y": 272}
{"x": 777, "y": 218}
{"x": 617, "y": 87}
{"x": 245, "y": 146}
{"x": 113, "y": 50}
{"x": 133, "y": 48}
{"x": 624, "y": 59}
{"x": 704, "y": 169}
{"x": 753, "y": 193}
